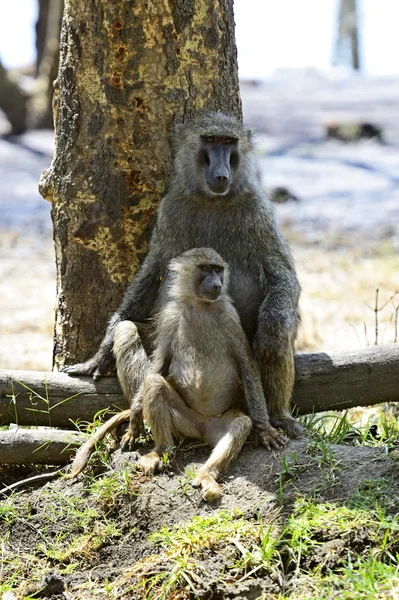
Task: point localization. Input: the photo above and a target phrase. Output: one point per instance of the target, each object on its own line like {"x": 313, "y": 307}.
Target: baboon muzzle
{"x": 218, "y": 172}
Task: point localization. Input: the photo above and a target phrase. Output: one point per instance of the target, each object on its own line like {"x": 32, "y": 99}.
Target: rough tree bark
{"x": 128, "y": 71}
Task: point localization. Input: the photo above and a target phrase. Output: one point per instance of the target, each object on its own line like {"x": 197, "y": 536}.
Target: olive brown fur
{"x": 203, "y": 381}
{"x": 216, "y": 200}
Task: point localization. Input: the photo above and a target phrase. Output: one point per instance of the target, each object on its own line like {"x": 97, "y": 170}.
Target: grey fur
{"x": 241, "y": 227}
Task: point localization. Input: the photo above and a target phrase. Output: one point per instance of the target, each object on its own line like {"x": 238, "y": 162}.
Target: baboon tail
{"x": 82, "y": 457}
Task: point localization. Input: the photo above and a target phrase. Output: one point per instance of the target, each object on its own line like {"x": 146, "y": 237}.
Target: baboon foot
{"x": 135, "y": 429}
{"x": 151, "y": 463}
{"x": 269, "y": 437}
{"x": 127, "y": 441}
{"x": 288, "y": 424}
{"x": 211, "y": 490}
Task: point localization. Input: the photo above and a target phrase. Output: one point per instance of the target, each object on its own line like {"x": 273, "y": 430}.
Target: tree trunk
{"x": 322, "y": 382}
{"x": 12, "y": 102}
{"x": 40, "y": 28}
{"x": 48, "y": 29}
{"x": 128, "y": 71}
{"x": 347, "y": 45}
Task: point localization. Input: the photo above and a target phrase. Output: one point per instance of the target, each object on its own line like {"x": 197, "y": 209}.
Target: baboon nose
{"x": 221, "y": 178}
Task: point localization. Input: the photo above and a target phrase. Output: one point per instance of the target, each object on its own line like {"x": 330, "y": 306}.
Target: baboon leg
{"x": 278, "y": 382}
{"x": 227, "y": 435}
{"x": 168, "y": 417}
{"x": 132, "y": 357}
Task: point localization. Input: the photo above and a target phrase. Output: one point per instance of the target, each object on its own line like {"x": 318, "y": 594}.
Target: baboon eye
{"x": 218, "y": 269}
{"x": 204, "y": 268}
{"x": 228, "y": 140}
{"x": 210, "y": 139}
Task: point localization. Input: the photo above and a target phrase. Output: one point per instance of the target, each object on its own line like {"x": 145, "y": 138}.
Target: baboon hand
{"x": 95, "y": 366}
{"x": 135, "y": 429}
{"x": 267, "y": 436}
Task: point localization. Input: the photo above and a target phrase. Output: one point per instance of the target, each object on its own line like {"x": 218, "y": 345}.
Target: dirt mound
{"x": 122, "y": 535}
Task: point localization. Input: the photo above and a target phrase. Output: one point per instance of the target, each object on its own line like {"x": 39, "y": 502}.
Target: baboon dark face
{"x": 217, "y": 156}
{"x": 213, "y": 158}
{"x": 199, "y": 274}
{"x": 209, "y": 284}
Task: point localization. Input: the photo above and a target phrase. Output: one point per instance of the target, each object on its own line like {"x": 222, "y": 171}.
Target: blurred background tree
{"x": 48, "y": 28}
{"x": 346, "y": 50}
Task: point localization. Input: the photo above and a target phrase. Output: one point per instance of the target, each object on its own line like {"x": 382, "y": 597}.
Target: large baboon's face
{"x": 212, "y": 156}
{"x": 217, "y": 159}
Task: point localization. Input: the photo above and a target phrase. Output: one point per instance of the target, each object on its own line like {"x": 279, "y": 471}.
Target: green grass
{"x": 317, "y": 550}
{"x": 74, "y": 524}
{"x": 339, "y": 428}
{"x": 320, "y": 550}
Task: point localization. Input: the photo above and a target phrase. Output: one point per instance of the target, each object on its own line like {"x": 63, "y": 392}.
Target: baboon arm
{"x": 278, "y": 315}
{"x": 253, "y": 391}
{"x": 282, "y": 286}
{"x": 265, "y": 434}
{"x": 161, "y": 360}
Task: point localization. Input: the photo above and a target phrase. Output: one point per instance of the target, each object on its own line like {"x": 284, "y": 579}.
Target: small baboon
{"x": 215, "y": 199}
{"x": 202, "y": 380}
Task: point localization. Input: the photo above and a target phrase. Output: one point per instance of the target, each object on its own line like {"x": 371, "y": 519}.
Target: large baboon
{"x": 203, "y": 380}
{"x": 215, "y": 199}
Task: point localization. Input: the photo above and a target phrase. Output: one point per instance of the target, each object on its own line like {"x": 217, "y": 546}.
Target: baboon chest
{"x": 203, "y": 370}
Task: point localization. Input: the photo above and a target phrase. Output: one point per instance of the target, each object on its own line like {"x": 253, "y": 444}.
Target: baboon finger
{"x": 276, "y": 445}
{"x": 97, "y": 374}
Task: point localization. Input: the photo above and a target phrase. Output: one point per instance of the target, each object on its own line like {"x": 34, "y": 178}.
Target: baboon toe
{"x": 127, "y": 442}
{"x": 289, "y": 425}
{"x": 150, "y": 463}
{"x": 279, "y": 442}
{"x": 210, "y": 488}
{"x": 269, "y": 437}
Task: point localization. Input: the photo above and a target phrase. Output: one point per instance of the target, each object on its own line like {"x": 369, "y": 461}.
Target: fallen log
{"x": 39, "y": 446}
{"x": 55, "y": 399}
{"x": 323, "y": 382}
{"x": 343, "y": 380}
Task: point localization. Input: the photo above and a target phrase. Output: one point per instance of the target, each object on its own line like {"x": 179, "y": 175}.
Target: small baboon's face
{"x": 209, "y": 281}
{"x": 217, "y": 160}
